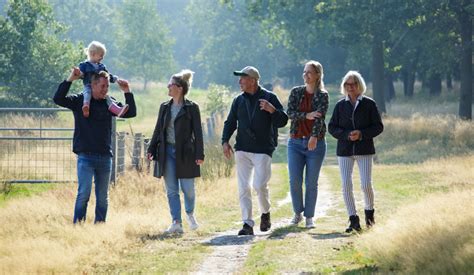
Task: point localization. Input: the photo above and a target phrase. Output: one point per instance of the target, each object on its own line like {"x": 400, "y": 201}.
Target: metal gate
{"x": 32, "y": 150}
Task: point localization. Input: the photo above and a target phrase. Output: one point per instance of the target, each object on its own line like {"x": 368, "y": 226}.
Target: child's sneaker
{"x": 117, "y": 110}
{"x": 85, "y": 110}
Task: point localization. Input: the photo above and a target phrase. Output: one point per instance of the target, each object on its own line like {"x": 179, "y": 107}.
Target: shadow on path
{"x": 281, "y": 232}
{"x": 159, "y": 237}
{"x": 329, "y": 236}
{"x": 229, "y": 240}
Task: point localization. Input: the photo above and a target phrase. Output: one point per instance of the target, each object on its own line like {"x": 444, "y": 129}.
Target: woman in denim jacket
{"x": 307, "y": 107}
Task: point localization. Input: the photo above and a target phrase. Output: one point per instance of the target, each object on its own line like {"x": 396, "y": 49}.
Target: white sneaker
{"x": 309, "y": 223}
{"x": 296, "y": 219}
{"x": 175, "y": 227}
{"x": 193, "y": 225}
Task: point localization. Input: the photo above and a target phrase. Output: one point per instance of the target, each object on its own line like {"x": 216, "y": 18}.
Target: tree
{"x": 230, "y": 41}
{"x": 351, "y": 23}
{"x": 464, "y": 11}
{"x": 306, "y": 35}
{"x": 145, "y": 43}
{"x": 32, "y": 58}
{"x": 90, "y": 20}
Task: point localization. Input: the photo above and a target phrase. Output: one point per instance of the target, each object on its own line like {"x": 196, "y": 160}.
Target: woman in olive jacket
{"x": 178, "y": 150}
{"x": 354, "y": 123}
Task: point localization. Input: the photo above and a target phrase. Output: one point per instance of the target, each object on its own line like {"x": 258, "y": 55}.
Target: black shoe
{"x": 369, "y": 217}
{"x": 265, "y": 223}
{"x": 354, "y": 224}
{"x": 246, "y": 230}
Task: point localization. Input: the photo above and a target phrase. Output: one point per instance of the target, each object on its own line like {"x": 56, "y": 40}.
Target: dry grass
{"x": 433, "y": 234}
{"x": 37, "y": 235}
{"x": 419, "y": 138}
{"x": 453, "y": 172}
{"x": 38, "y": 230}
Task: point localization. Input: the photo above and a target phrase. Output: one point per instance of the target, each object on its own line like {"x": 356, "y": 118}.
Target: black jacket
{"x": 92, "y": 134}
{"x": 189, "y": 140}
{"x": 254, "y": 126}
{"x": 365, "y": 118}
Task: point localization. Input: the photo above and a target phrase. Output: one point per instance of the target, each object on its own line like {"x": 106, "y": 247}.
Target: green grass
{"x": 175, "y": 255}
{"x": 327, "y": 249}
{"x": 400, "y": 179}
{"x": 159, "y": 253}
{"x": 12, "y": 191}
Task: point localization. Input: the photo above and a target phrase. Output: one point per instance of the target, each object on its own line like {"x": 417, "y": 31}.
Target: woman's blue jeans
{"x": 300, "y": 157}
{"x": 99, "y": 167}
{"x": 172, "y": 186}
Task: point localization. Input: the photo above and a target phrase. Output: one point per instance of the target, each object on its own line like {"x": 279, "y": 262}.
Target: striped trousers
{"x": 346, "y": 166}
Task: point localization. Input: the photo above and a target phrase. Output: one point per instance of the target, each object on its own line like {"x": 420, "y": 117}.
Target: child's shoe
{"x": 117, "y": 110}
{"x": 85, "y": 110}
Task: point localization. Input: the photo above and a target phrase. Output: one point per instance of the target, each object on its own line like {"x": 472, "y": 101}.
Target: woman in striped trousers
{"x": 354, "y": 123}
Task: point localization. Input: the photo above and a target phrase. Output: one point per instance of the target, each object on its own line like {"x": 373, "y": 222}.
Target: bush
{"x": 218, "y": 98}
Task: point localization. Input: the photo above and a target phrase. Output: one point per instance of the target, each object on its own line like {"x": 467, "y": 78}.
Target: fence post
{"x": 146, "y": 143}
{"x": 113, "y": 175}
{"x": 137, "y": 150}
{"x": 120, "y": 152}
{"x": 204, "y": 133}
{"x": 210, "y": 129}
{"x": 214, "y": 124}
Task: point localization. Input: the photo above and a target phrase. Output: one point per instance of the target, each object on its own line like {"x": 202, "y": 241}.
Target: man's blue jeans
{"x": 300, "y": 157}
{"x": 172, "y": 186}
{"x": 98, "y": 166}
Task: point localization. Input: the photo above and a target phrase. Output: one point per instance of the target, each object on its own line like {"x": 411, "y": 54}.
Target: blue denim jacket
{"x": 88, "y": 69}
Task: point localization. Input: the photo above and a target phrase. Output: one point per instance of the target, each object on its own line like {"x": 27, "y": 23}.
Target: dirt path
{"x": 230, "y": 250}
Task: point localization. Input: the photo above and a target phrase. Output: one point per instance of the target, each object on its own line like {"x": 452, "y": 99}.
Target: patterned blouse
{"x": 320, "y": 104}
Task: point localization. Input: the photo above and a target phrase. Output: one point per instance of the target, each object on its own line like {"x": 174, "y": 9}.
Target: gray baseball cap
{"x": 248, "y": 71}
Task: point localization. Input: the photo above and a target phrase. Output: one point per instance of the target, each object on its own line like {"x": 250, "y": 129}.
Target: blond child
{"x": 95, "y": 53}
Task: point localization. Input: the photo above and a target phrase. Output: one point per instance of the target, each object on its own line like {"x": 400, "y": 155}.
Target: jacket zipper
{"x": 354, "y": 127}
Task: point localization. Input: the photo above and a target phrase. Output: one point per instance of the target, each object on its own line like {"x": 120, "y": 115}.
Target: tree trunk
{"x": 465, "y": 99}
{"x": 425, "y": 84}
{"x": 435, "y": 84}
{"x": 410, "y": 77}
{"x": 389, "y": 88}
{"x": 378, "y": 73}
{"x": 411, "y": 84}
{"x": 145, "y": 84}
{"x": 449, "y": 81}
{"x": 405, "y": 82}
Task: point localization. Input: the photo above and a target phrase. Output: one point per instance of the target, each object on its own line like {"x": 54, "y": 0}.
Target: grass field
{"x": 423, "y": 179}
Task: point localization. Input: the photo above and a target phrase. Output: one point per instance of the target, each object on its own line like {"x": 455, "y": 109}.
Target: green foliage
{"x": 297, "y": 27}
{"x": 230, "y": 41}
{"x": 217, "y": 98}
{"x": 32, "y": 60}
{"x": 145, "y": 43}
{"x": 9, "y": 191}
{"x": 90, "y": 20}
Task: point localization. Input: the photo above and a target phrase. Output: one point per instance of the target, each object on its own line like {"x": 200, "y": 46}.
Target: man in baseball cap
{"x": 248, "y": 71}
{"x": 254, "y": 114}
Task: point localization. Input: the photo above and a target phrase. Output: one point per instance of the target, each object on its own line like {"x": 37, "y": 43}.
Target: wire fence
{"x": 36, "y": 146}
